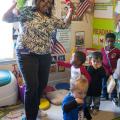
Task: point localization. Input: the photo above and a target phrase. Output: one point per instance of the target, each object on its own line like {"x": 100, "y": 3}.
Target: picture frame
{"x": 53, "y": 68}
{"x": 61, "y": 58}
{"x": 79, "y": 38}
{"x": 54, "y": 59}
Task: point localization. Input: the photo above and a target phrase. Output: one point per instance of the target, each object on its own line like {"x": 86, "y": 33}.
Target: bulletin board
{"x": 103, "y": 22}
{"x": 100, "y": 28}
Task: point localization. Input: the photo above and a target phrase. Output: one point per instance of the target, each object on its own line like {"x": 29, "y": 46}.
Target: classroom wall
{"x": 84, "y": 25}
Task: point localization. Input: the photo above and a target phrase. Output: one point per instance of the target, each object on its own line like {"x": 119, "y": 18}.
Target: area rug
{"x": 13, "y": 112}
{"x": 118, "y": 118}
{"x": 104, "y": 115}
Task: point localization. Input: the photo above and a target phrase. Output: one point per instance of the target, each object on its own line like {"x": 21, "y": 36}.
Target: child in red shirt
{"x": 76, "y": 65}
{"x": 110, "y": 57}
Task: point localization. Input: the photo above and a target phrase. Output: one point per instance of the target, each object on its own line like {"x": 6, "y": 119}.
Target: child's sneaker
{"x": 115, "y": 101}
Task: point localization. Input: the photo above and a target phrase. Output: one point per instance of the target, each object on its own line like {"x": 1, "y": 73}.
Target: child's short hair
{"x": 110, "y": 35}
{"x": 80, "y": 84}
{"x": 96, "y": 55}
{"x": 81, "y": 56}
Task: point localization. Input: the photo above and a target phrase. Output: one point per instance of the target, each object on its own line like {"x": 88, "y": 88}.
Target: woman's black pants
{"x": 35, "y": 72}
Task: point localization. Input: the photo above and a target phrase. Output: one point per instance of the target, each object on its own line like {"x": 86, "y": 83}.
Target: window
{"x": 6, "y": 40}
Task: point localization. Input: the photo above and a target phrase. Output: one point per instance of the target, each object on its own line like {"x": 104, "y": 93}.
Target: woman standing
{"x": 33, "y": 48}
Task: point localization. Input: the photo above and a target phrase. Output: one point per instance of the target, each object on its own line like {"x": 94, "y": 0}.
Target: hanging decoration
{"x": 81, "y": 8}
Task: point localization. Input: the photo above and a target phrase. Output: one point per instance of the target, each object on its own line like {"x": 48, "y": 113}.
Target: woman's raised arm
{"x": 9, "y": 15}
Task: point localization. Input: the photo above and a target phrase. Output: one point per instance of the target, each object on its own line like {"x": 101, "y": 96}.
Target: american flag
{"x": 56, "y": 46}
{"x": 82, "y": 7}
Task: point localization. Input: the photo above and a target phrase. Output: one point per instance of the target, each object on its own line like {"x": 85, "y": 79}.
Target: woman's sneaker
{"x": 23, "y": 117}
{"x": 41, "y": 114}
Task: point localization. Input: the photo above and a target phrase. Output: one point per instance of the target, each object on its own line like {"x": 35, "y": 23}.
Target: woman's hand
{"x": 9, "y": 12}
{"x": 69, "y": 14}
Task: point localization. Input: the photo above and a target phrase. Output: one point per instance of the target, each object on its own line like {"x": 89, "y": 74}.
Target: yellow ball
{"x": 44, "y": 104}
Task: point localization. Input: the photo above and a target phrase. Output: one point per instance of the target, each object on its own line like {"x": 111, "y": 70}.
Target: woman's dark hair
{"x": 110, "y": 35}
{"x": 49, "y": 12}
{"x": 81, "y": 56}
{"x": 96, "y": 55}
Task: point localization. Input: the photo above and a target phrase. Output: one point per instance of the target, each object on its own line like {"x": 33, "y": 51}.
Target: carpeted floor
{"x": 55, "y": 112}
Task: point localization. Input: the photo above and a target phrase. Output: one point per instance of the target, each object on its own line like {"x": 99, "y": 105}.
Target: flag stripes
{"x": 82, "y": 7}
{"x": 56, "y": 46}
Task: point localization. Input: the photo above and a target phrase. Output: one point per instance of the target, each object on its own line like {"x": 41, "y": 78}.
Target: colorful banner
{"x": 103, "y": 23}
{"x": 100, "y": 28}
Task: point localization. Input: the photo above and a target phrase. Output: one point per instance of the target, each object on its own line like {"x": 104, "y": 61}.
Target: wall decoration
{"x": 61, "y": 58}
{"x": 103, "y": 10}
{"x": 79, "y": 8}
{"x": 53, "y": 68}
{"x": 100, "y": 28}
{"x": 64, "y": 38}
{"x": 79, "y": 38}
{"x": 117, "y": 16}
{"x": 54, "y": 59}
{"x": 103, "y": 1}
{"x": 57, "y": 46}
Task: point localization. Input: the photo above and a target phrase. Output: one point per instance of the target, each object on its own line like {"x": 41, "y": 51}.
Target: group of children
{"x": 87, "y": 84}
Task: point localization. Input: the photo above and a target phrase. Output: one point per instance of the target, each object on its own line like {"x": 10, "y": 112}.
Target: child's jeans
{"x": 93, "y": 100}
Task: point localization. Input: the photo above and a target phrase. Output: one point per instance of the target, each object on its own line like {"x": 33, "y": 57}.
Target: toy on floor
{"x": 56, "y": 97}
{"x": 8, "y": 88}
{"x": 44, "y": 104}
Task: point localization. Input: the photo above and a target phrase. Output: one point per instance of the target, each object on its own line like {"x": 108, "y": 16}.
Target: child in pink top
{"x": 110, "y": 57}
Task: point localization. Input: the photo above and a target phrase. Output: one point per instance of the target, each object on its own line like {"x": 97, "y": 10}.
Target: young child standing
{"x": 116, "y": 76}
{"x": 73, "y": 103}
{"x": 76, "y": 65}
{"x": 97, "y": 72}
{"x": 110, "y": 57}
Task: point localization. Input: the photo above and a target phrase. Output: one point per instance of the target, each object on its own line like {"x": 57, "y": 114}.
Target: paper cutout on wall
{"x": 79, "y": 8}
{"x": 103, "y": 11}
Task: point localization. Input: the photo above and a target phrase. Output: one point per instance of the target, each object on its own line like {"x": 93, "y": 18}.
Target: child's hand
{"x": 78, "y": 100}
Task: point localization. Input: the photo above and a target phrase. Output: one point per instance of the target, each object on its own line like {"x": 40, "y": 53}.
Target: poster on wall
{"x": 103, "y": 1}
{"x": 99, "y": 35}
{"x": 63, "y": 36}
{"x": 53, "y": 67}
{"x": 103, "y": 11}
{"x": 79, "y": 38}
{"x": 64, "y": 11}
{"x": 61, "y": 58}
{"x": 54, "y": 59}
